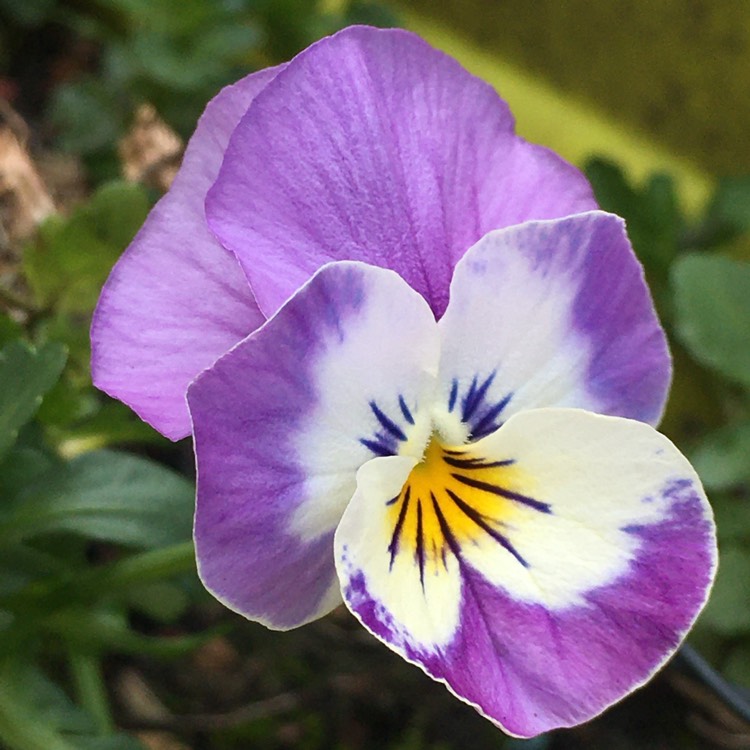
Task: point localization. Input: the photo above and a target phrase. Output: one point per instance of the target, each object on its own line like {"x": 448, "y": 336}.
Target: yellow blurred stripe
{"x": 573, "y": 129}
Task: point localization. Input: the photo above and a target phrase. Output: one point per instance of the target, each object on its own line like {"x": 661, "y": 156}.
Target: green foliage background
{"x": 96, "y": 564}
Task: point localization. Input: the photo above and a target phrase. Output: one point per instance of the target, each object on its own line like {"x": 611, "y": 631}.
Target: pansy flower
{"x": 456, "y": 481}
{"x": 444, "y": 417}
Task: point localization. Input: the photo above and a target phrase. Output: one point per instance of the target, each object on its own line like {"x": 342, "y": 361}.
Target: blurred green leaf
{"x": 737, "y": 665}
{"x": 69, "y": 403}
{"x": 370, "y": 14}
{"x": 89, "y": 115}
{"x": 9, "y": 330}
{"x": 166, "y": 16}
{"x": 712, "y": 303}
{"x": 651, "y": 212}
{"x": 46, "y": 699}
{"x": 36, "y": 713}
{"x": 94, "y": 630}
{"x": 706, "y": 642}
{"x": 117, "y": 210}
{"x": 22, "y": 565}
{"x": 29, "y": 12}
{"x": 728, "y": 609}
{"x": 732, "y": 515}
{"x": 191, "y": 64}
{"x": 723, "y": 458}
{"x": 112, "y": 423}
{"x": 142, "y": 568}
{"x": 291, "y": 25}
{"x": 166, "y": 63}
{"x": 730, "y": 206}
{"x": 69, "y": 261}
{"x": 226, "y": 43}
{"x": 661, "y": 219}
{"x": 71, "y": 329}
{"x": 535, "y": 743}
{"x": 108, "y": 496}
{"x": 26, "y": 374}
{"x": 413, "y": 739}
{"x": 611, "y": 187}
{"x": 161, "y": 601}
{"x": 20, "y": 466}
{"x": 111, "y": 742}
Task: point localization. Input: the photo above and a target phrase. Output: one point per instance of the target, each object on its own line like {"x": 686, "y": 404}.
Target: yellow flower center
{"x": 450, "y": 499}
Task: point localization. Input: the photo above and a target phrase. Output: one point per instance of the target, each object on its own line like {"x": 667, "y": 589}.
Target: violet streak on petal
{"x": 176, "y": 300}
{"x": 372, "y": 145}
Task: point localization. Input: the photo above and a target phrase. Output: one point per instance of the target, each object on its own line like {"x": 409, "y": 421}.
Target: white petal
{"x": 551, "y": 313}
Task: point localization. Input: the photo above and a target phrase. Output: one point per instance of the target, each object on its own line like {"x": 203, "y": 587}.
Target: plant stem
{"x": 92, "y": 694}
{"x": 98, "y": 583}
{"x": 145, "y": 567}
{"x": 735, "y": 697}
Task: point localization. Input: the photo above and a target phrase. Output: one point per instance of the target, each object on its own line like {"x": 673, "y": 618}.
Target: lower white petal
{"x": 542, "y": 572}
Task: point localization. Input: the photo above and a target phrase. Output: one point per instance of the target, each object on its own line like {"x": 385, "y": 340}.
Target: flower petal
{"x": 373, "y": 146}
{"x": 283, "y": 421}
{"x": 549, "y": 569}
{"x": 176, "y": 300}
{"x": 571, "y": 321}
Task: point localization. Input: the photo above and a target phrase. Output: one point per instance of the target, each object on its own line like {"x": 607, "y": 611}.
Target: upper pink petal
{"x": 373, "y": 146}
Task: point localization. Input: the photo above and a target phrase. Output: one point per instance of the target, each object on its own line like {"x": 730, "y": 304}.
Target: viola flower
{"x": 456, "y": 482}
{"x": 370, "y": 145}
{"x": 449, "y": 446}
